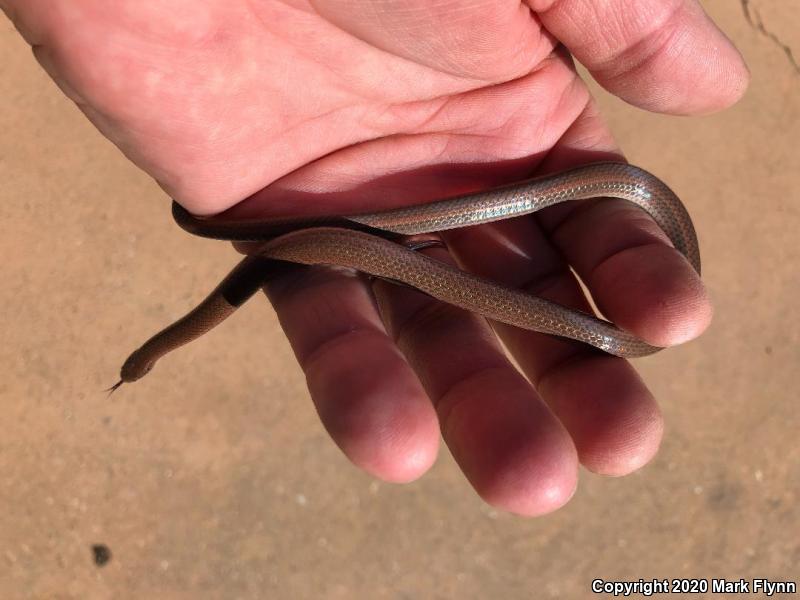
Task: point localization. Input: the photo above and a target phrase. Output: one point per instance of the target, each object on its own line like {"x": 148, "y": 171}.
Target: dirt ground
{"x": 213, "y": 478}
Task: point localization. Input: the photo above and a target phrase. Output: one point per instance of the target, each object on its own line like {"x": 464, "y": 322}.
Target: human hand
{"x": 345, "y": 106}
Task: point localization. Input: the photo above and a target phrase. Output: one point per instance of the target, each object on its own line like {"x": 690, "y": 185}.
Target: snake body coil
{"x": 364, "y": 242}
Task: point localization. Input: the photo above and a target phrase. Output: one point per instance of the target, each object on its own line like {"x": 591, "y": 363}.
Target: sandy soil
{"x": 213, "y": 477}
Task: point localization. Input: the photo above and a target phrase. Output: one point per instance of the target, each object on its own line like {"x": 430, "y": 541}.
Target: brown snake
{"x": 368, "y": 243}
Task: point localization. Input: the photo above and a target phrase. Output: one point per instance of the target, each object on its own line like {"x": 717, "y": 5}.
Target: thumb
{"x": 661, "y": 55}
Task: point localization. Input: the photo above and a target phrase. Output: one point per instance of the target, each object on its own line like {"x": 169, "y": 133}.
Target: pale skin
{"x": 336, "y": 106}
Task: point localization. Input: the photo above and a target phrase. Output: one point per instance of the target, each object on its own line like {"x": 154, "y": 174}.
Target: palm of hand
{"x": 224, "y": 99}
{"x": 314, "y": 107}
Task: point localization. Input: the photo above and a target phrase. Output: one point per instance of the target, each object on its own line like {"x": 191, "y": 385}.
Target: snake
{"x": 377, "y": 244}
